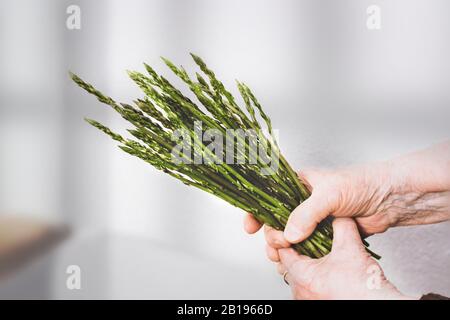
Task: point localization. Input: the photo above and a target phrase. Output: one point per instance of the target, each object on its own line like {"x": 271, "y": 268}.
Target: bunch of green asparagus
{"x": 169, "y": 130}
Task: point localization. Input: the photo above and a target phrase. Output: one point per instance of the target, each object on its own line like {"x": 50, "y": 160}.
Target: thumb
{"x": 345, "y": 234}
{"x": 304, "y": 219}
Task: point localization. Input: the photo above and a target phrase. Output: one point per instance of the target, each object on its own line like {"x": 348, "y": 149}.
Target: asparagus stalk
{"x": 164, "y": 110}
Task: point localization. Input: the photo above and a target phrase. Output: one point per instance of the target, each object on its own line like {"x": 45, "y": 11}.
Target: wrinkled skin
{"x": 410, "y": 190}
{"x": 348, "y": 272}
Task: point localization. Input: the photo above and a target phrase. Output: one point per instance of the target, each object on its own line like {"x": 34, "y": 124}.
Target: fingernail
{"x": 292, "y": 234}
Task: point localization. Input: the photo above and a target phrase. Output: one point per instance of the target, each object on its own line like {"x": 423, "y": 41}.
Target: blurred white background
{"x": 337, "y": 92}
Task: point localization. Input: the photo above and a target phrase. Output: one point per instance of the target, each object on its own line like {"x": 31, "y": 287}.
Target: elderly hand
{"x": 410, "y": 190}
{"x": 348, "y": 272}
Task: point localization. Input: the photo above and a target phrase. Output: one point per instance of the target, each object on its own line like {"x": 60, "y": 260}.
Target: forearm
{"x": 421, "y": 186}
{"x": 424, "y": 171}
{"x": 414, "y": 208}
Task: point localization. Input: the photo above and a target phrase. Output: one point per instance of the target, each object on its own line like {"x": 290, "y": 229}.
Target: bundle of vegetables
{"x": 165, "y": 115}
